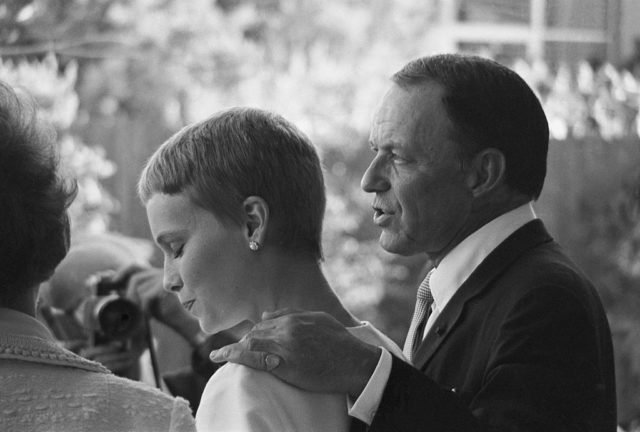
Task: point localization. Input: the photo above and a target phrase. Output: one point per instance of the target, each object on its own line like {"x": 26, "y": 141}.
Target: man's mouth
{"x": 189, "y": 304}
{"x": 381, "y": 217}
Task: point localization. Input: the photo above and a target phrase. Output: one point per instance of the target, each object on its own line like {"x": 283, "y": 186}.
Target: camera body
{"x": 105, "y": 316}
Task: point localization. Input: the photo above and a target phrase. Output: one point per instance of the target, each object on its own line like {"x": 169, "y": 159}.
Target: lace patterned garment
{"x": 44, "y": 387}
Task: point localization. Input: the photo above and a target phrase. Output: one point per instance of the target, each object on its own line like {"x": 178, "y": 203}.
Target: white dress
{"x": 238, "y": 398}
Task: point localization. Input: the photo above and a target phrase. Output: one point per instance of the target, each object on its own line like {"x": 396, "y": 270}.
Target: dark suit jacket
{"x": 523, "y": 345}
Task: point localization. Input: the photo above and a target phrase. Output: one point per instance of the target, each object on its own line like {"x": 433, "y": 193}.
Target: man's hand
{"x": 310, "y": 350}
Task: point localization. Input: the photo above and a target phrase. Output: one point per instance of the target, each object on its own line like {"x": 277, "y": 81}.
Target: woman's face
{"x": 206, "y": 261}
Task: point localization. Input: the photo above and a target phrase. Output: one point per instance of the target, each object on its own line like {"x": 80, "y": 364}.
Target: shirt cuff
{"x": 365, "y": 407}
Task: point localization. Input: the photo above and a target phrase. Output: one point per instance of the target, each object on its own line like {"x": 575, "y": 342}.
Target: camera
{"x": 105, "y": 316}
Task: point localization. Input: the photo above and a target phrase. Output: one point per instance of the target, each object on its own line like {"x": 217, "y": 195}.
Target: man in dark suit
{"x": 508, "y": 335}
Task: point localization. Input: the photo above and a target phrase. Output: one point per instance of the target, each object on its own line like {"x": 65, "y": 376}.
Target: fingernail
{"x": 215, "y": 356}
{"x": 272, "y": 361}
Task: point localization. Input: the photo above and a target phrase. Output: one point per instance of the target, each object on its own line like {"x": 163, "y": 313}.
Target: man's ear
{"x": 486, "y": 172}
{"x": 255, "y": 211}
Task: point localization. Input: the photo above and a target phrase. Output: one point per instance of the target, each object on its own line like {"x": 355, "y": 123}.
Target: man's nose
{"x": 374, "y": 178}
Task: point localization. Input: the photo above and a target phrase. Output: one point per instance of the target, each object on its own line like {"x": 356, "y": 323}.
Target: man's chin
{"x": 395, "y": 245}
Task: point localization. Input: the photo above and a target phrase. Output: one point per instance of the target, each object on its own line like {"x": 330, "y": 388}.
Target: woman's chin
{"x": 236, "y": 329}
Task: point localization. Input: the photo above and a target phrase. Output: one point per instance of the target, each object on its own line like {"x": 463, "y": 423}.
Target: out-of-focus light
{"x": 26, "y": 13}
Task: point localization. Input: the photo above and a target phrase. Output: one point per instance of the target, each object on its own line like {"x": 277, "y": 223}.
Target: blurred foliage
{"x": 608, "y": 248}
{"x": 127, "y": 73}
{"x": 586, "y": 100}
{"x": 323, "y": 66}
{"x": 54, "y": 90}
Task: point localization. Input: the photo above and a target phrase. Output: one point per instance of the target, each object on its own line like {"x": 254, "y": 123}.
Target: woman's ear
{"x": 256, "y": 219}
{"x": 487, "y": 171}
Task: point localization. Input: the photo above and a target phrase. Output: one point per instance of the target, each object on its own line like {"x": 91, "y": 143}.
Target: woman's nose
{"x": 171, "y": 280}
{"x": 374, "y": 178}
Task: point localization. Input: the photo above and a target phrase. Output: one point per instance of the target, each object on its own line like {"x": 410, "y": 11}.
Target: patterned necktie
{"x": 424, "y": 300}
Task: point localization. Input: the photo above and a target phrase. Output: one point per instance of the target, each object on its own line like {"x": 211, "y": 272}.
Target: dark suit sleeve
{"x": 545, "y": 372}
{"x": 413, "y": 402}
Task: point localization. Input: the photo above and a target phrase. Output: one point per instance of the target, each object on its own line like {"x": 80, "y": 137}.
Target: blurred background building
{"x": 550, "y": 30}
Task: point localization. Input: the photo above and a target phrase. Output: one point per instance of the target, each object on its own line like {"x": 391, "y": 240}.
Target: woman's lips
{"x": 188, "y": 304}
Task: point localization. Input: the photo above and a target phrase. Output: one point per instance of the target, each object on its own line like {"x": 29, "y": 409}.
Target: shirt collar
{"x": 458, "y": 264}
{"x": 19, "y": 323}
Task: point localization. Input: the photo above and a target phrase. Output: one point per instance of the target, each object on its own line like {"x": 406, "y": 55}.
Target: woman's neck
{"x": 24, "y": 302}
{"x": 298, "y": 283}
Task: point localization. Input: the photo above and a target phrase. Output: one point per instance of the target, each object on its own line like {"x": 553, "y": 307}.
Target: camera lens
{"x": 118, "y": 318}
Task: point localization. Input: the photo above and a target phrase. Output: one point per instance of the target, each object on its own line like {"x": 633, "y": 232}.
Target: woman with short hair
{"x": 236, "y": 203}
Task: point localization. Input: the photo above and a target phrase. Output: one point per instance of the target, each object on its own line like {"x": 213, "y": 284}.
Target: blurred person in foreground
{"x": 44, "y": 387}
{"x": 236, "y": 203}
{"x": 508, "y": 333}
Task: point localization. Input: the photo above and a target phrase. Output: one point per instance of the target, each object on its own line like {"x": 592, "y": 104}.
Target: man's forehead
{"x": 406, "y": 105}
{"x": 412, "y": 115}
{"x": 412, "y": 97}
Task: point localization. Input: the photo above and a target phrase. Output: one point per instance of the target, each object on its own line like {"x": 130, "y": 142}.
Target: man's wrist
{"x": 365, "y": 407}
{"x": 367, "y": 365}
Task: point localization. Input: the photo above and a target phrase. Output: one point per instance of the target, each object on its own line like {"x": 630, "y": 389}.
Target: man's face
{"x": 422, "y": 200}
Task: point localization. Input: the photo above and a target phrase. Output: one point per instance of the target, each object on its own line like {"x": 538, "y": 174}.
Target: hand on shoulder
{"x": 310, "y": 350}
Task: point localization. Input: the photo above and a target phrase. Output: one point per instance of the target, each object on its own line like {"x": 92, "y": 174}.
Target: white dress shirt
{"x": 445, "y": 280}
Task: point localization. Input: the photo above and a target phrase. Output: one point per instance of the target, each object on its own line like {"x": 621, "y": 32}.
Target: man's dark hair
{"x": 34, "y": 226}
{"x": 242, "y": 152}
{"x": 490, "y": 106}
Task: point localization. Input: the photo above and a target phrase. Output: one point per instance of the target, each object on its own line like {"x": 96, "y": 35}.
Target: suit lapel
{"x": 525, "y": 238}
